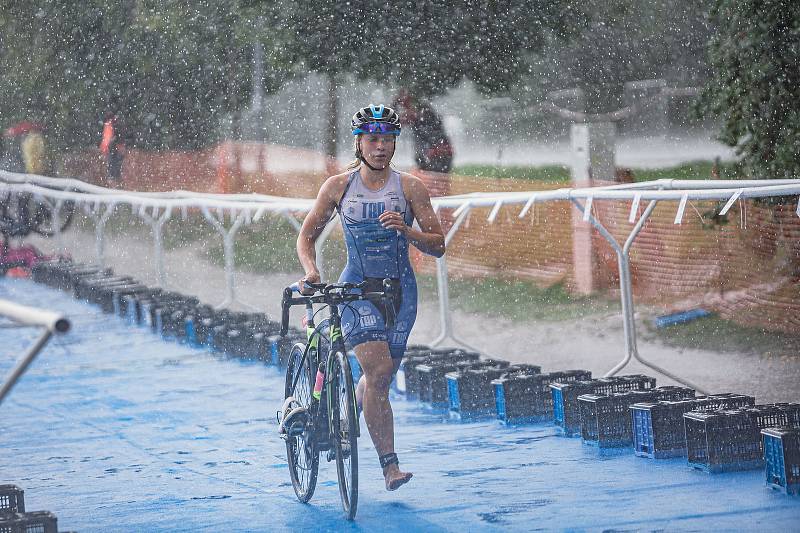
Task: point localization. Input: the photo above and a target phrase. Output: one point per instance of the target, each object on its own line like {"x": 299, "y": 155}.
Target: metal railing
{"x": 51, "y": 323}
{"x": 239, "y": 209}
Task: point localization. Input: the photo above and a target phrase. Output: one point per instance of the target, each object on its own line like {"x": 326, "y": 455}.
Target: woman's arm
{"x": 429, "y": 238}
{"x": 313, "y": 225}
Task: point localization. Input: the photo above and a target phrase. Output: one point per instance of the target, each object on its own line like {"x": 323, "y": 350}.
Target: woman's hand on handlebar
{"x": 311, "y": 277}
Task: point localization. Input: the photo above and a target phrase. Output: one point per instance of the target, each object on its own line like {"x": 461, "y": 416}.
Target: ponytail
{"x": 355, "y": 163}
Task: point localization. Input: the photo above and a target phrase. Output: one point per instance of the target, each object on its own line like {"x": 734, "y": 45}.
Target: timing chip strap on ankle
{"x": 388, "y": 459}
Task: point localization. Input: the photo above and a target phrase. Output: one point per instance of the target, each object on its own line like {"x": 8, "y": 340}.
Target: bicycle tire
{"x": 345, "y": 425}
{"x": 301, "y": 451}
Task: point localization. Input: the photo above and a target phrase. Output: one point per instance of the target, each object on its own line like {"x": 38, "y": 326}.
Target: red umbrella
{"x": 21, "y": 128}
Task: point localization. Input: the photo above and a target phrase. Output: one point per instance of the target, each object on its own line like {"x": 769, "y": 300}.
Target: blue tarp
{"x": 113, "y": 429}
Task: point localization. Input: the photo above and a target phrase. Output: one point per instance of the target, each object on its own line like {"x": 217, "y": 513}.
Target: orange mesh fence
{"x": 747, "y": 269}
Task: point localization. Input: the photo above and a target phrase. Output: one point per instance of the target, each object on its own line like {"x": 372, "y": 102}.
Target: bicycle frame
{"x": 332, "y": 296}
{"x": 313, "y": 334}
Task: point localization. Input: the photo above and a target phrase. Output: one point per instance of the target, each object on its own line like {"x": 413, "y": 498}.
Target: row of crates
{"x": 619, "y": 411}
{"x": 169, "y": 314}
{"x": 731, "y": 439}
{"x": 716, "y": 433}
{"x": 14, "y": 519}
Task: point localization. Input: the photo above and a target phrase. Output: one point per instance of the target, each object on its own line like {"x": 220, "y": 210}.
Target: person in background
{"x": 432, "y": 149}
{"x": 34, "y": 153}
{"x": 13, "y": 158}
{"x": 112, "y": 146}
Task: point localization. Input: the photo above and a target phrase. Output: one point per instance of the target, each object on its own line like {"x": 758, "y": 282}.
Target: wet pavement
{"x": 113, "y": 429}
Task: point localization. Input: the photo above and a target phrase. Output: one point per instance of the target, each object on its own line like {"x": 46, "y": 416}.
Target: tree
{"x": 424, "y": 45}
{"x": 755, "y": 83}
{"x": 432, "y": 46}
{"x": 612, "y": 43}
{"x": 171, "y": 69}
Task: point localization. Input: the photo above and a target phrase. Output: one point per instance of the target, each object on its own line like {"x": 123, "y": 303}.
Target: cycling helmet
{"x": 376, "y": 119}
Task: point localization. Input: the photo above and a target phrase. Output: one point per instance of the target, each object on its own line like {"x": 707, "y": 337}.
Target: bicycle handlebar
{"x": 324, "y": 293}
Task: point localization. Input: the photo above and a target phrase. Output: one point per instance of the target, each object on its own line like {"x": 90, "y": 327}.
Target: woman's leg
{"x": 379, "y": 368}
{"x": 362, "y": 382}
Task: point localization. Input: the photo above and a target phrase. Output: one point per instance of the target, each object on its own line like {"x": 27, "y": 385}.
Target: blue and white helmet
{"x": 376, "y": 119}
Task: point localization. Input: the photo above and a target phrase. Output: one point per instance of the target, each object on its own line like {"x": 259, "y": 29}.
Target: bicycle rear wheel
{"x": 301, "y": 450}
{"x": 345, "y": 432}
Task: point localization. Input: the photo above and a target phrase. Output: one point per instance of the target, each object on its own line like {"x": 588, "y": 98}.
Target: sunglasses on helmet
{"x": 377, "y": 127}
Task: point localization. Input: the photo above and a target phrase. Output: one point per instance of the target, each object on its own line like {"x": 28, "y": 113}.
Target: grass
{"x": 175, "y": 233}
{"x": 269, "y": 247}
{"x": 516, "y": 300}
{"x": 694, "y": 170}
{"x": 546, "y": 174}
{"x": 720, "y": 335}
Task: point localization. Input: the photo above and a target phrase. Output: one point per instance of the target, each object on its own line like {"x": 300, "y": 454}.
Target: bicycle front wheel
{"x": 301, "y": 450}
{"x": 345, "y": 432}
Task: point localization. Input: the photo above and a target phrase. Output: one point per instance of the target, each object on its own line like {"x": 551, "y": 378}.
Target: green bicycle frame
{"x": 313, "y": 334}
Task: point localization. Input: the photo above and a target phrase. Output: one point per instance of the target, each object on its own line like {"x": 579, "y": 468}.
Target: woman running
{"x": 377, "y": 206}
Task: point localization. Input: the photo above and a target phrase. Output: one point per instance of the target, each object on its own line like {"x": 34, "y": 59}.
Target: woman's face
{"x": 378, "y": 149}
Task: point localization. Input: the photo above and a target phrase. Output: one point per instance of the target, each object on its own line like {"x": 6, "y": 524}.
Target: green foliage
{"x": 755, "y": 88}
{"x": 171, "y": 69}
{"x": 424, "y": 45}
{"x": 547, "y": 174}
{"x": 694, "y": 170}
{"x": 615, "y": 42}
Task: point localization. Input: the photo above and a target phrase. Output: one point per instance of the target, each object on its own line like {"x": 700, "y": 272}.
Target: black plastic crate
{"x": 109, "y": 298}
{"x": 658, "y": 430}
{"x": 170, "y": 317}
{"x": 255, "y": 345}
{"x": 86, "y": 288}
{"x": 782, "y": 458}
{"x": 36, "y": 522}
{"x": 219, "y": 338}
{"x": 730, "y": 439}
{"x": 63, "y": 275}
{"x": 566, "y": 413}
{"x": 408, "y": 376}
{"x": 246, "y": 340}
{"x": 280, "y": 347}
{"x": 12, "y": 500}
{"x": 606, "y": 418}
{"x": 526, "y": 398}
{"x": 149, "y": 308}
{"x": 431, "y": 385}
{"x": 199, "y": 323}
{"x": 470, "y": 392}
{"x": 124, "y": 303}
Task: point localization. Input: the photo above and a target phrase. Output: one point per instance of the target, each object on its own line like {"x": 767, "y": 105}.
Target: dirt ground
{"x": 593, "y": 343}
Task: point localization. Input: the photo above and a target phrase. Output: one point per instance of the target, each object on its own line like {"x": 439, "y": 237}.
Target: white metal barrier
{"x": 51, "y": 323}
{"x": 242, "y": 209}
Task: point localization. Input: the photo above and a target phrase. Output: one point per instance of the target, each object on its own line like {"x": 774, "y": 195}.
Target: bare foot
{"x": 395, "y": 478}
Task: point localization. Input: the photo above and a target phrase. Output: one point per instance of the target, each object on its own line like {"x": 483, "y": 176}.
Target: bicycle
{"x": 319, "y": 413}
{"x": 22, "y": 214}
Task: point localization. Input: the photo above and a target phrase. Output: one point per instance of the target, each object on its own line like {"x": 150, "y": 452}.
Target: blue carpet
{"x": 113, "y": 429}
